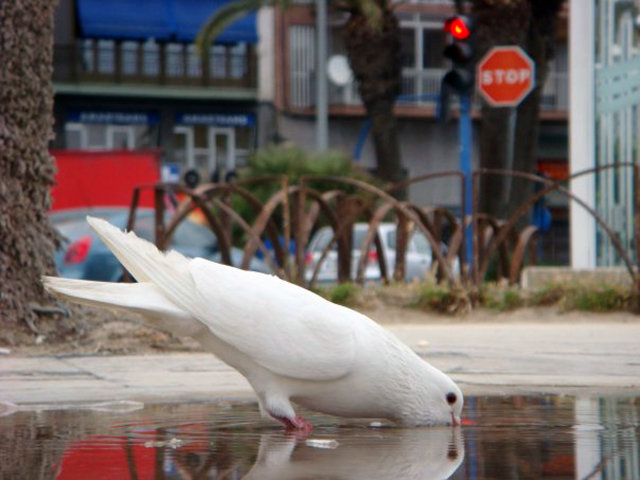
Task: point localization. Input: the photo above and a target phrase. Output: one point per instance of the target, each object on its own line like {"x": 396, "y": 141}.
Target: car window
{"x": 412, "y": 246}
{"x": 391, "y": 239}
{"x": 187, "y": 234}
{"x": 420, "y": 243}
{"x": 358, "y": 238}
{"x": 322, "y": 239}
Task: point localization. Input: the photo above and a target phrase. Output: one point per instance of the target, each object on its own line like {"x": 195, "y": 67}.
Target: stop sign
{"x": 505, "y": 76}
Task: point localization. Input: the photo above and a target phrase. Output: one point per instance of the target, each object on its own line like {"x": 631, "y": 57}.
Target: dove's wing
{"x": 285, "y": 328}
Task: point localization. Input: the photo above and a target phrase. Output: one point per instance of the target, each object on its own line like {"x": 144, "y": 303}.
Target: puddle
{"x": 502, "y": 437}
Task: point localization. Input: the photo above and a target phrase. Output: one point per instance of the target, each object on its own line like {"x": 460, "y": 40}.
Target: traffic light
{"x": 460, "y": 51}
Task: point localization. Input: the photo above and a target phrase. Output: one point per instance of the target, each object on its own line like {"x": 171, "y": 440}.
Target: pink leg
{"x": 297, "y": 423}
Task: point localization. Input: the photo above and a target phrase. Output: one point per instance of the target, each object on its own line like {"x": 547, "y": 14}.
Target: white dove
{"x": 291, "y": 344}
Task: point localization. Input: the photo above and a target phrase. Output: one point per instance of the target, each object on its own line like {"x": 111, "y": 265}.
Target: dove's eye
{"x": 451, "y": 398}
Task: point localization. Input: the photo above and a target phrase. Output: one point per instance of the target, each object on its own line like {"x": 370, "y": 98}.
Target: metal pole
{"x": 510, "y": 145}
{"x": 464, "y": 138}
{"x": 322, "y": 117}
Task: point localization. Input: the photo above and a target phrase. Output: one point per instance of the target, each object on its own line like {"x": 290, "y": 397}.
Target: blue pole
{"x": 362, "y": 137}
{"x": 366, "y": 125}
{"x": 464, "y": 137}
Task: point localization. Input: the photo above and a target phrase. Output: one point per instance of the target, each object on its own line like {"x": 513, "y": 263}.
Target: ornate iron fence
{"x": 293, "y": 212}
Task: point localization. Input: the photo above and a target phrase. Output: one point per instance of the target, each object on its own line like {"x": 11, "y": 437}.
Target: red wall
{"x": 103, "y": 179}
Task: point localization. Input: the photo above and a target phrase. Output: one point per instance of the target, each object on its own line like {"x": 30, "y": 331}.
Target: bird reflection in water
{"x": 432, "y": 453}
{"x": 353, "y": 453}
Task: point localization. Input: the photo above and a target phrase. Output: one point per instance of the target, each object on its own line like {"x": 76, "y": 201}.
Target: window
{"x": 88, "y": 59}
{"x": 87, "y": 136}
{"x": 175, "y": 60}
{"x": 238, "y": 60}
{"x": 194, "y": 68}
{"x": 420, "y": 243}
{"x": 433, "y": 43}
{"x": 301, "y": 65}
{"x": 408, "y": 48}
{"x": 422, "y": 43}
{"x": 75, "y": 136}
{"x": 422, "y": 40}
{"x": 106, "y": 56}
{"x": 96, "y": 137}
{"x": 322, "y": 239}
{"x": 129, "y": 51}
{"x": 120, "y": 137}
{"x": 150, "y": 58}
{"x": 218, "y": 61}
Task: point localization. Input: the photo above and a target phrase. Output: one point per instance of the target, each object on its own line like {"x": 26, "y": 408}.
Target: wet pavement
{"x": 514, "y": 437}
{"x": 488, "y": 358}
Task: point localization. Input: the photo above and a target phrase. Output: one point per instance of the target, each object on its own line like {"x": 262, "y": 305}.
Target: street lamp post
{"x": 322, "y": 117}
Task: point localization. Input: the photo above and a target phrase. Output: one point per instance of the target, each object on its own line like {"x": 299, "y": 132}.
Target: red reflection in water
{"x": 107, "y": 463}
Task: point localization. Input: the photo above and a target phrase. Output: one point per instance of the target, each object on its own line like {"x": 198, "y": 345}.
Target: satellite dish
{"x": 339, "y": 71}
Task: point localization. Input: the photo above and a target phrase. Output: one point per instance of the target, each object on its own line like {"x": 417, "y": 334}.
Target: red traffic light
{"x": 457, "y": 27}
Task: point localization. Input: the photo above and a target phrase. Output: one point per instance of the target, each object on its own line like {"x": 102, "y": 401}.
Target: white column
{"x": 266, "y": 55}
{"x": 582, "y": 130}
{"x": 322, "y": 116}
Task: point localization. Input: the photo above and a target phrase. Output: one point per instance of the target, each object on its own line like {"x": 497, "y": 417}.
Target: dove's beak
{"x": 455, "y": 420}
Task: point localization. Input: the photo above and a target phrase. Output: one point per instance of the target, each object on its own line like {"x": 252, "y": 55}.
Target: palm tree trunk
{"x": 27, "y": 240}
{"x": 531, "y": 25}
{"x": 374, "y": 56}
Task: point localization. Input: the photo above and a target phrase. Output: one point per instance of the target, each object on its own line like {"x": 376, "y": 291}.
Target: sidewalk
{"x": 485, "y": 358}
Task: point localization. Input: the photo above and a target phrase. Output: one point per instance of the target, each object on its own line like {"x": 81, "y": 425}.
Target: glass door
{"x": 120, "y": 137}
{"x": 222, "y": 149}
{"x": 209, "y": 150}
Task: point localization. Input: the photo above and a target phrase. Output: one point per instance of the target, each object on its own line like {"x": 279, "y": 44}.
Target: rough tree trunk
{"x": 531, "y": 25}
{"x": 27, "y": 240}
{"x": 374, "y": 56}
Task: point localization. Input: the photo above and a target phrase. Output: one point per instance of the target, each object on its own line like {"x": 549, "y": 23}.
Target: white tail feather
{"x": 143, "y": 298}
{"x": 169, "y": 272}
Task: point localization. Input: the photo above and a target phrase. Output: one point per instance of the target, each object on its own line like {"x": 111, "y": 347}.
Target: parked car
{"x": 418, "y": 262}
{"x": 83, "y": 255}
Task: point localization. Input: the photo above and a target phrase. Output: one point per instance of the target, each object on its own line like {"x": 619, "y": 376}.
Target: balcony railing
{"x": 151, "y": 63}
{"x": 422, "y": 87}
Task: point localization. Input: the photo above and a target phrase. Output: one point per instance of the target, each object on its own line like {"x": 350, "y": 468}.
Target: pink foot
{"x": 297, "y": 423}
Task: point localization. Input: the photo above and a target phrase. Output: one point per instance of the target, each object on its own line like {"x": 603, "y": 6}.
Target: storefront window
{"x": 215, "y": 145}
{"x": 617, "y": 76}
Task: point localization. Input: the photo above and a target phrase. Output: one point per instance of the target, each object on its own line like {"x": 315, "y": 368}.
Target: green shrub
{"x": 550, "y": 294}
{"x": 292, "y": 162}
{"x": 433, "y": 296}
{"x": 501, "y": 297}
{"x": 511, "y": 299}
{"x": 344, "y": 294}
{"x": 602, "y": 299}
{"x": 595, "y": 298}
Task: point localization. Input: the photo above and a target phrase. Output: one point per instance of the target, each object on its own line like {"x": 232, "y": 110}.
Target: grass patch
{"x": 548, "y": 295}
{"x": 344, "y": 294}
{"x": 502, "y": 299}
{"x": 584, "y": 297}
{"x": 439, "y": 298}
{"x": 435, "y": 297}
{"x": 603, "y": 299}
